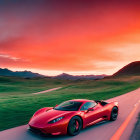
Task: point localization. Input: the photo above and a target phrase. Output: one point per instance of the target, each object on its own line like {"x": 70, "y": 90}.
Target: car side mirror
{"x": 90, "y": 109}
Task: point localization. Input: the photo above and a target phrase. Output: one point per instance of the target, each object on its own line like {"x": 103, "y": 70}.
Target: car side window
{"x": 87, "y": 105}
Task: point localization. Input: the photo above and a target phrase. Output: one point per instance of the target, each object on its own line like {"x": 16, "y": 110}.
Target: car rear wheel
{"x": 74, "y": 126}
{"x": 114, "y": 114}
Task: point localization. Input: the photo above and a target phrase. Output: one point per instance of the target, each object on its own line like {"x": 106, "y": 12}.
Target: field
{"x": 17, "y": 103}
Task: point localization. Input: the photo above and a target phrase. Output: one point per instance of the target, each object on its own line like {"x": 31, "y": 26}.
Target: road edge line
{"x": 121, "y": 129}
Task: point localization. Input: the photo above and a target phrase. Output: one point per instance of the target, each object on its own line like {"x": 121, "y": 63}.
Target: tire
{"x": 114, "y": 114}
{"x": 74, "y": 126}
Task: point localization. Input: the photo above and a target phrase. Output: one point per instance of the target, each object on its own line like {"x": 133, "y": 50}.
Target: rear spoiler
{"x": 101, "y": 102}
{"x": 98, "y": 101}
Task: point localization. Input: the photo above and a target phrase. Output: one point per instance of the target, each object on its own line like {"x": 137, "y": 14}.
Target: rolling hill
{"x": 66, "y": 76}
{"x": 63, "y": 76}
{"x": 24, "y": 74}
{"x": 132, "y": 68}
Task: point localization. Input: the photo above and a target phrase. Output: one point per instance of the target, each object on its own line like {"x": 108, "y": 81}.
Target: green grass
{"x": 14, "y": 86}
{"x": 17, "y": 104}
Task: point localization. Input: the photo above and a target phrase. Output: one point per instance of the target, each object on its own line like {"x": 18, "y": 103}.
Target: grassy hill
{"x": 17, "y": 103}
{"x": 132, "y": 68}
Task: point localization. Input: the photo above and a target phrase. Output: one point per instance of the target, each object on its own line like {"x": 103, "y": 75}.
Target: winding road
{"x": 48, "y": 90}
{"x": 121, "y": 129}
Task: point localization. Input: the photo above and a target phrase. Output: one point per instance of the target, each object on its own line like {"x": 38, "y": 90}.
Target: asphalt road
{"x": 101, "y": 131}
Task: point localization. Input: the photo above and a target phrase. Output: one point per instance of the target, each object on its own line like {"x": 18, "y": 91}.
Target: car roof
{"x": 82, "y": 100}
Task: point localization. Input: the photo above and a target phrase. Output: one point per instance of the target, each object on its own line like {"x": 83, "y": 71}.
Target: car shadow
{"x": 60, "y": 137}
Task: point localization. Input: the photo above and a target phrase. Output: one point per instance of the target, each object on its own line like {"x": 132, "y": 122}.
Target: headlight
{"x": 56, "y": 120}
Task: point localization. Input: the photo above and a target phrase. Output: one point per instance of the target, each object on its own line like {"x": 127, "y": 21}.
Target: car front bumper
{"x": 53, "y": 129}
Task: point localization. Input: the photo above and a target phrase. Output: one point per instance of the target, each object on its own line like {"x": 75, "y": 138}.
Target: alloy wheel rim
{"x": 75, "y": 126}
{"x": 115, "y": 113}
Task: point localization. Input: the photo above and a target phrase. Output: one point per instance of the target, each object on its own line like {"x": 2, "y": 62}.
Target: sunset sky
{"x": 71, "y": 36}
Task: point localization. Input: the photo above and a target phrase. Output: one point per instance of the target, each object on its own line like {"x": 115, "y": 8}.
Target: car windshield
{"x": 69, "y": 106}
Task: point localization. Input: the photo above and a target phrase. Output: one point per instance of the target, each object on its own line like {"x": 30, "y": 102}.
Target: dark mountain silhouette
{"x": 29, "y": 74}
{"x": 130, "y": 69}
{"x": 24, "y": 74}
{"x": 78, "y": 77}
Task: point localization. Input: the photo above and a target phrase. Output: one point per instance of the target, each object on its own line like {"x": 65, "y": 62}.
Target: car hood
{"x": 42, "y": 119}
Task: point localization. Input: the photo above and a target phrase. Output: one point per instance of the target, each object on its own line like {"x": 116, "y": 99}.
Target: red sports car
{"x": 71, "y": 116}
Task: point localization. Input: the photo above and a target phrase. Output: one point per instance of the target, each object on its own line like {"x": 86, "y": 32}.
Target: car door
{"x": 90, "y": 116}
{"x": 104, "y": 111}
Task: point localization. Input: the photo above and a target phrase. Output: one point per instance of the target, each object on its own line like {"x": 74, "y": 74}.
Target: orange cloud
{"x": 70, "y": 37}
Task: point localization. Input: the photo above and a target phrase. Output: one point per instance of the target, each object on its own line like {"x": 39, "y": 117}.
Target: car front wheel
{"x": 74, "y": 126}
